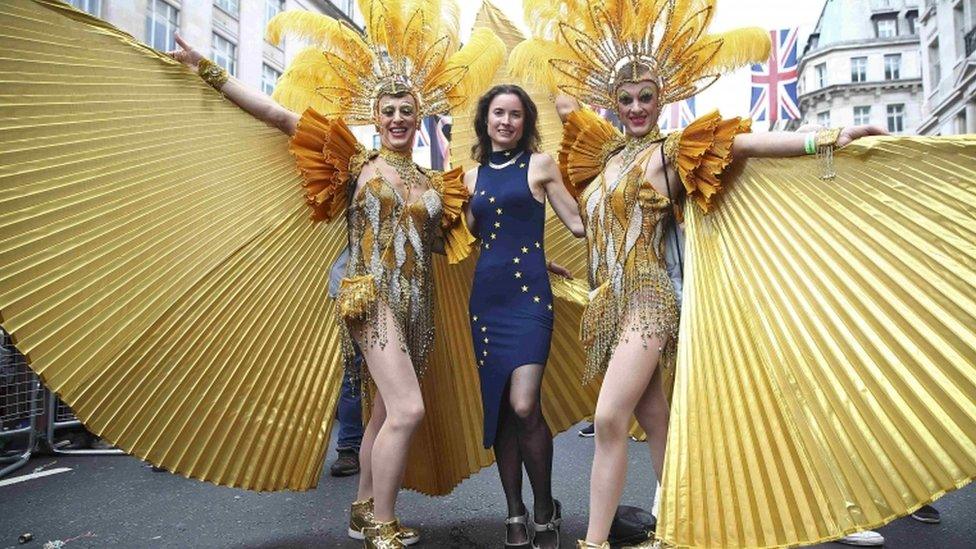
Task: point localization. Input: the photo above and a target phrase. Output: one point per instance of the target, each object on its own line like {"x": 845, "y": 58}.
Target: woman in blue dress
{"x": 511, "y": 300}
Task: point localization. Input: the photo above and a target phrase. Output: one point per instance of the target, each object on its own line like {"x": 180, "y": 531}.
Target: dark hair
{"x": 481, "y": 151}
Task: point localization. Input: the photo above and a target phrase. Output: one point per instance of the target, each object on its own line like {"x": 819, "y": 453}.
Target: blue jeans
{"x": 350, "y": 413}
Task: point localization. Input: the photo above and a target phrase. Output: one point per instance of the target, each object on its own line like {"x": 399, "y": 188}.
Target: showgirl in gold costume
{"x": 635, "y": 57}
{"x": 407, "y": 67}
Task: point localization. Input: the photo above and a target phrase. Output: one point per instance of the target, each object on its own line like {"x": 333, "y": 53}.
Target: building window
{"x": 232, "y": 7}
{"x": 93, "y": 7}
{"x": 225, "y": 53}
{"x": 813, "y": 42}
{"x": 162, "y": 22}
{"x": 269, "y": 77}
{"x": 961, "y": 122}
{"x": 862, "y": 115}
{"x": 272, "y": 8}
{"x": 345, "y": 6}
{"x": 823, "y": 119}
{"x": 821, "y": 71}
{"x": 959, "y": 22}
{"x": 896, "y": 118}
{"x": 912, "y": 19}
{"x": 859, "y": 69}
{"x": 887, "y": 28}
{"x": 935, "y": 69}
{"x": 892, "y": 66}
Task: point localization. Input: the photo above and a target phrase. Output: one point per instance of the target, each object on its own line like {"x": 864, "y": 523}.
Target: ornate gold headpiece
{"x": 409, "y": 46}
{"x": 588, "y": 48}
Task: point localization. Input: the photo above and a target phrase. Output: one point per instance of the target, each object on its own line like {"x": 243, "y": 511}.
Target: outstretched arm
{"x": 782, "y": 144}
{"x": 256, "y": 103}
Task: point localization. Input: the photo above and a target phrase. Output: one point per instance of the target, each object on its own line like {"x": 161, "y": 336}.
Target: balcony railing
{"x": 970, "y": 42}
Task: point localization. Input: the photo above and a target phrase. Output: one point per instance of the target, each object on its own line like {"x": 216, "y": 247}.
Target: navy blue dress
{"x": 511, "y": 300}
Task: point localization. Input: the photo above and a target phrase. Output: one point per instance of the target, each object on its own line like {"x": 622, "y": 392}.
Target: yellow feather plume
{"x": 470, "y": 70}
{"x": 578, "y": 46}
{"x": 740, "y": 47}
{"x": 384, "y": 23}
{"x": 408, "y": 44}
{"x": 529, "y": 61}
{"x": 305, "y": 25}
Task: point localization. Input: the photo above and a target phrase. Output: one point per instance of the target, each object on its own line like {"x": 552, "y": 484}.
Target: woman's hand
{"x": 186, "y": 54}
{"x": 853, "y": 133}
{"x": 559, "y": 270}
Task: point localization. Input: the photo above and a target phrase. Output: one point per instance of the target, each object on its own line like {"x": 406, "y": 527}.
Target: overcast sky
{"x": 730, "y": 94}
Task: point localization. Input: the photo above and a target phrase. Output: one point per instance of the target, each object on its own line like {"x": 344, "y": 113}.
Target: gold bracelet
{"x": 212, "y": 73}
{"x": 826, "y": 141}
{"x": 828, "y": 137}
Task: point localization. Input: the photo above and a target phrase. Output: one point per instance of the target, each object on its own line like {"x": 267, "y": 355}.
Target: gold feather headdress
{"x": 588, "y": 48}
{"x": 409, "y": 46}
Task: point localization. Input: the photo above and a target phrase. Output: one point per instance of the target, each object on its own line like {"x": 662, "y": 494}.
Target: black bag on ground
{"x": 631, "y": 525}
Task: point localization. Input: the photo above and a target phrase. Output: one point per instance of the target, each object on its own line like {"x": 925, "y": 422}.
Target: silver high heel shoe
{"x": 524, "y": 521}
{"x": 553, "y": 525}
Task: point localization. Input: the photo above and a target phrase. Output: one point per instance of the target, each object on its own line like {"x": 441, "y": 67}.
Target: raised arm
{"x": 545, "y": 170}
{"x": 783, "y": 144}
{"x": 256, "y": 103}
{"x": 565, "y": 105}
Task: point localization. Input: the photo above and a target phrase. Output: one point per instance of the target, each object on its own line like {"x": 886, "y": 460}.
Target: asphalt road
{"x": 118, "y": 501}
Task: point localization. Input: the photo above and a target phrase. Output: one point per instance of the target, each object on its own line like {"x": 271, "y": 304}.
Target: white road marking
{"x": 32, "y": 476}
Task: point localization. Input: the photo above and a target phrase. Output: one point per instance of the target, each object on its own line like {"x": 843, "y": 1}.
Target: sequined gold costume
{"x": 409, "y": 47}
{"x": 626, "y": 217}
{"x": 168, "y": 286}
{"x": 817, "y": 327}
{"x": 390, "y": 240}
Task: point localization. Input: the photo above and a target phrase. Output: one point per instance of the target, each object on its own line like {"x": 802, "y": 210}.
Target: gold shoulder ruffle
{"x": 584, "y": 148}
{"x": 328, "y": 156}
{"x": 458, "y": 240}
{"x": 702, "y": 151}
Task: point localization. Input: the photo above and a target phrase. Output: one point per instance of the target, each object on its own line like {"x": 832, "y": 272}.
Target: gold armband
{"x": 826, "y": 141}
{"x": 212, "y": 74}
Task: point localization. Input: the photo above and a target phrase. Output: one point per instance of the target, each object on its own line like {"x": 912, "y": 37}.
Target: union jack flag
{"x": 678, "y": 115}
{"x": 434, "y": 133}
{"x": 774, "y": 85}
{"x": 422, "y": 138}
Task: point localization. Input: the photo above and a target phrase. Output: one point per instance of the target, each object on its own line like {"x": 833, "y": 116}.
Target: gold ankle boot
{"x": 361, "y": 517}
{"x": 583, "y": 544}
{"x": 383, "y": 535}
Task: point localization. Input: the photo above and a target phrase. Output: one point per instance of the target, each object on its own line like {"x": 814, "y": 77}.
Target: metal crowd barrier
{"x": 61, "y": 417}
{"x": 21, "y": 403}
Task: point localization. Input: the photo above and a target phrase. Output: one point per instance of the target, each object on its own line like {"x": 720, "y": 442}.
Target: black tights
{"x": 524, "y": 437}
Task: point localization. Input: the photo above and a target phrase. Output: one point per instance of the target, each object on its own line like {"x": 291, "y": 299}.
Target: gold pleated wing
{"x": 159, "y": 268}
{"x": 587, "y": 141}
{"x": 160, "y": 271}
{"x": 826, "y": 377}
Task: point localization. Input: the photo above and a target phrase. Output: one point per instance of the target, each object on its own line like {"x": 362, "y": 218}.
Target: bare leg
{"x": 376, "y": 419}
{"x": 628, "y": 376}
{"x": 397, "y": 385}
{"x": 653, "y": 414}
